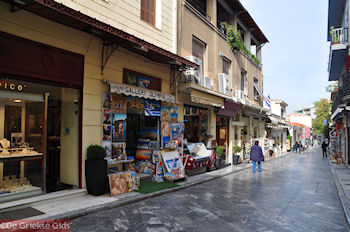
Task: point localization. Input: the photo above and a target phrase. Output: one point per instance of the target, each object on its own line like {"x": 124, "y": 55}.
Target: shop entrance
{"x": 39, "y": 137}
{"x": 222, "y": 125}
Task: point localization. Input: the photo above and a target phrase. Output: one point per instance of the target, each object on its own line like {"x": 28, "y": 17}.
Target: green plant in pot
{"x": 220, "y": 152}
{"x": 236, "y": 150}
{"x": 96, "y": 170}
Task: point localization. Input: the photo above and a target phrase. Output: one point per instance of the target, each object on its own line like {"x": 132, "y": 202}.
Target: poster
{"x": 107, "y": 114}
{"x": 143, "y": 154}
{"x": 173, "y": 164}
{"x": 174, "y": 114}
{"x": 106, "y": 100}
{"x": 135, "y": 105}
{"x": 122, "y": 182}
{"x": 108, "y": 146}
{"x": 119, "y": 127}
{"x": 106, "y": 132}
{"x": 118, "y": 104}
{"x": 165, "y": 132}
{"x": 118, "y": 151}
{"x": 152, "y": 107}
{"x": 130, "y": 78}
{"x": 149, "y": 133}
{"x": 175, "y": 127}
{"x": 165, "y": 114}
{"x": 144, "y": 82}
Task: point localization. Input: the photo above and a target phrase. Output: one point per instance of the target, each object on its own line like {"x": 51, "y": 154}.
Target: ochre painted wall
{"x": 33, "y": 27}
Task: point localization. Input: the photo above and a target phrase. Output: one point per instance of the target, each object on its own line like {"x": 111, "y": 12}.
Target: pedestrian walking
{"x": 324, "y": 149}
{"x": 300, "y": 146}
{"x": 256, "y": 155}
{"x": 295, "y": 147}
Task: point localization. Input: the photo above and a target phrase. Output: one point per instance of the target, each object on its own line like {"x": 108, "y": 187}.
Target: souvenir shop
{"x": 39, "y": 119}
{"x": 139, "y": 123}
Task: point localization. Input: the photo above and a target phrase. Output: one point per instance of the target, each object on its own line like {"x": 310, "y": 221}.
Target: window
{"x": 244, "y": 82}
{"x": 282, "y": 112}
{"x": 200, "y": 6}
{"x": 148, "y": 11}
{"x": 226, "y": 65}
{"x": 198, "y": 50}
{"x": 257, "y": 93}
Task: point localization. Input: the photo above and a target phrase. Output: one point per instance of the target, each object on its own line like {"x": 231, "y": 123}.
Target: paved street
{"x": 293, "y": 193}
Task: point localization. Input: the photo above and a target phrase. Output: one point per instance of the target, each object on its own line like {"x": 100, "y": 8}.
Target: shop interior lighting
{"x": 17, "y": 101}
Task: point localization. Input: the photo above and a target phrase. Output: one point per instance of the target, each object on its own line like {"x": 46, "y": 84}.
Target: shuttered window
{"x": 148, "y": 11}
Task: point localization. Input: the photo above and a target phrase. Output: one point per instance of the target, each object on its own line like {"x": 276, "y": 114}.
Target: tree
{"x": 322, "y": 111}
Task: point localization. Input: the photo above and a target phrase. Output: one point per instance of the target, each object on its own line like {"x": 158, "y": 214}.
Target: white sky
{"x": 295, "y": 62}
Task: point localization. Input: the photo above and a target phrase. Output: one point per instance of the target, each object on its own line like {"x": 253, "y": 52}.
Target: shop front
{"x": 40, "y": 115}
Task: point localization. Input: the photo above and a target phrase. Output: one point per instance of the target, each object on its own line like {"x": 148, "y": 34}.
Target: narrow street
{"x": 293, "y": 193}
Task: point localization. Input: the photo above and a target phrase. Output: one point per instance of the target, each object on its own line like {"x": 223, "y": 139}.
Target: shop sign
{"x": 140, "y": 92}
{"x": 6, "y": 85}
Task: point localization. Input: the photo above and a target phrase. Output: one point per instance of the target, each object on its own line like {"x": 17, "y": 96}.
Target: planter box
{"x": 96, "y": 176}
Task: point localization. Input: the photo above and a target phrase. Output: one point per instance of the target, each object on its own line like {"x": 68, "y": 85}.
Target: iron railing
{"x": 339, "y": 36}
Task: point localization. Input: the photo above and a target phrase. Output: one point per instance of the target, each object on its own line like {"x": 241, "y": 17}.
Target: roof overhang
{"x": 247, "y": 19}
{"x": 335, "y": 15}
{"x": 337, "y": 62}
{"x": 62, "y": 14}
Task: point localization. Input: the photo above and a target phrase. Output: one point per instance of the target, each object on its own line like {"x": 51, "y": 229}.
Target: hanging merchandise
{"x": 165, "y": 131}
{"x": 174, "y": 114}
{"x": 118, "y": 104}
{"x": 152, "y": 107}
{"x": 165, "y": 114}
{"x": 135, "y": 105}
{"x": 119, "y": 127}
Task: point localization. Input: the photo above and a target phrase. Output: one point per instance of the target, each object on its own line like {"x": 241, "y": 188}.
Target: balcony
{"x": 339, "y": 38}
{"x": 344, "y": 88}
{"x": 338, "y": 52}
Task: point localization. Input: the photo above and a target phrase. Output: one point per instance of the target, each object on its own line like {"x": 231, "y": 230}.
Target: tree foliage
{"x": 322, "y": 111}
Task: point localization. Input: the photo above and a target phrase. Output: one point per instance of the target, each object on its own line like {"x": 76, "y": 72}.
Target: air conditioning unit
{"x": 193, "y": 75}
{"x": 208, "y": 82}
{"x": 224, "y": 83}
{"x": 239, "y": 94}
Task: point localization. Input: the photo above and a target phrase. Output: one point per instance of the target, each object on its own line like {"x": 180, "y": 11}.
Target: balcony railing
{"x": 344, "y": 86}
{"x": 339, "y": 36}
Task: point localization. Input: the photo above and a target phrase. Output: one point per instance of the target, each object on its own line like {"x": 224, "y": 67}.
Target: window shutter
{"x": 148, "y": 8}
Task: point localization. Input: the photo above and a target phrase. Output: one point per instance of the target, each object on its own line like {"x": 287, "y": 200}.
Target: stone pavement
{"x": 341, "y": 175}
{"x": 82, "y": 205}
{"x": 293, "y": 193}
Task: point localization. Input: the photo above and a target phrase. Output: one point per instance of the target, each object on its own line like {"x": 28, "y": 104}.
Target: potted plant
{"x": 334, "y": 37}
{"x": 220, "y": 150}
{"x": 96, "y": 170}
{"x": 236, "y": 150}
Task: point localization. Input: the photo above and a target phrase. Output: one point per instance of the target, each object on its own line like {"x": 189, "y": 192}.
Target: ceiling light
{"x": 17, "y": 101}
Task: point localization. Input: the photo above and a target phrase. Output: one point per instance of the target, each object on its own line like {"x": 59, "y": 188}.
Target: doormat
{"x": 150, "y": 187}
{"x": 20, "y": 213}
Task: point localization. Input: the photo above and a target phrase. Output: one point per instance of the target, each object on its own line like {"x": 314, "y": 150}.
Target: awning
{"x": 60, "y": 13}
{"x": 336, "y": 62}
{"x": 206, "y": 99}
{"x": 335, "y": 15}
{"x": 274, "y": 120}
{"x": 230, "y": 109}
{"x": 135, "y": 91}
{"x": 336, "y": 112}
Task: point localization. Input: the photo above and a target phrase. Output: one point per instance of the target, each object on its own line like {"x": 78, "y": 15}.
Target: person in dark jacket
{"x": 256, "y": 155}
{"x": 324, "y": 149}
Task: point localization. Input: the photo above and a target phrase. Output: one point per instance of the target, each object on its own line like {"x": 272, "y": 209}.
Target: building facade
{"x": 339, "y": 63}
{"x": 229, "y": 84}
{"x": 72, "y": 70}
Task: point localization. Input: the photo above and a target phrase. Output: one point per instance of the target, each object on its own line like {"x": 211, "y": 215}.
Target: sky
{"x": 295, "y": 61}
